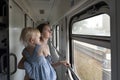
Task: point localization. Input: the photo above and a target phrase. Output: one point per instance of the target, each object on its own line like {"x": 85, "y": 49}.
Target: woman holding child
{"x": 45, "y": 31}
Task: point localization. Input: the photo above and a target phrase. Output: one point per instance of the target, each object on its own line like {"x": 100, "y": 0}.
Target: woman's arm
{"x": 65, "y": 63}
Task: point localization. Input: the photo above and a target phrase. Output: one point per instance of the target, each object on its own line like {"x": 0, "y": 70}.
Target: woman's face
{"x": 46, "y": 33}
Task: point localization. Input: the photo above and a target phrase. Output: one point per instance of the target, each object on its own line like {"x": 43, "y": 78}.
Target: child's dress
{"x": 38, "y": 67}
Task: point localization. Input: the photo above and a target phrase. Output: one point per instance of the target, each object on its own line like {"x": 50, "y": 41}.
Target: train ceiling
{"x": 38, "y": 10}
{"x": 41, "y": 10}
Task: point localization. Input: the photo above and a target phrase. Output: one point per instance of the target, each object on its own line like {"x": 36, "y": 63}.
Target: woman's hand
{"x": 65, "y": 63}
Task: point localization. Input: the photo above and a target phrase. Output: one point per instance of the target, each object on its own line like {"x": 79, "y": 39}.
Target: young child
{"x": 36, "y": 65}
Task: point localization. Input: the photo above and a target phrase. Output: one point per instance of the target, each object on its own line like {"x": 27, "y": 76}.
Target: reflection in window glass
{"x": 91, "y": 62}
{"x": 97, "y": 25}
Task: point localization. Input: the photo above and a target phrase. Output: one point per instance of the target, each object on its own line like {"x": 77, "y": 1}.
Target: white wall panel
{"x": 16, "y": 23}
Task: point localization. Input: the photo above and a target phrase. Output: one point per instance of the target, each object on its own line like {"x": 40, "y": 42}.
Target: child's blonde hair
{"x": 27, "y": 33}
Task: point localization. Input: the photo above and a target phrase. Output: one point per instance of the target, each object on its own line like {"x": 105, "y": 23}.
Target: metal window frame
{"x": 103, "y": 41}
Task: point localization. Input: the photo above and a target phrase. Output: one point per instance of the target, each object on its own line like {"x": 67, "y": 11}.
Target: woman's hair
{"x": 41, "y": 26}
{"x": 27, "y": 33}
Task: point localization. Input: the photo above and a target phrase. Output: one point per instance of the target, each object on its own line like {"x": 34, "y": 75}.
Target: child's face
{"x": 37, "y": 38}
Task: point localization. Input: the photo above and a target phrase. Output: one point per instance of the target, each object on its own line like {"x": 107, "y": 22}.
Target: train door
{"x": 4, "y": 41}
{"x": 11, "y": 24}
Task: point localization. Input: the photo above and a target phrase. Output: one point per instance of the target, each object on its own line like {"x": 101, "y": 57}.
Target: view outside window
{"x": 97, "y": 25}
{"x": 91, "y": 62}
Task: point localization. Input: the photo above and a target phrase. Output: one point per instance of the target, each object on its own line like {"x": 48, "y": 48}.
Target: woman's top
{"x": 38, "y": 67}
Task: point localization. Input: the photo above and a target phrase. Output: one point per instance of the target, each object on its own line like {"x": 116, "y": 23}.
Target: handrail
{"x": 2, "y": 64}
{"x": 72, "y": 72}
{"x": 75, "y": 77}
{"x": 15, "y": 64}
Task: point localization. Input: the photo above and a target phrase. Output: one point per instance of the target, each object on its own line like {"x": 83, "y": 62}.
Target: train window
{"x": 57, "y": 28}
{"x": 97, "y": 25}
{"x": 29, "y": 21}
{"x": 90, "y": 47}
{"x": 54, "y": 36}
{"x": 91, "y": 62}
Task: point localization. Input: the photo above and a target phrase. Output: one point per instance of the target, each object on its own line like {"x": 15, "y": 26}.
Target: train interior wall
{"x": 16, "y": 23}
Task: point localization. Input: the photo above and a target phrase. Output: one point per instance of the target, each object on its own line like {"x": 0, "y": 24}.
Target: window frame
{"x": 103, "y": 41}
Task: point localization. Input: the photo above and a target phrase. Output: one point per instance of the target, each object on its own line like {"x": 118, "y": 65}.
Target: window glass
{"x": 29, "y": 22}
{"x": 91, "y": 62}
{"x": 58, "y": 38}
{"x": 98, "y": 25}
{"x": 54, "y": 35}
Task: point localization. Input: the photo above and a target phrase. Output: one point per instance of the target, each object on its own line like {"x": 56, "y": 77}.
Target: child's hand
{"x": 65, "y": 63}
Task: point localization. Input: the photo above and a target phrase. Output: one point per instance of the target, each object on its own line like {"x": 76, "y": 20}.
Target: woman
{"x": 45, "y": 31}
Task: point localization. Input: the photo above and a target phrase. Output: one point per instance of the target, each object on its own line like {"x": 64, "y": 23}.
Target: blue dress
{"x": 38, "y": 67}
